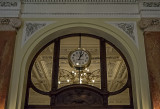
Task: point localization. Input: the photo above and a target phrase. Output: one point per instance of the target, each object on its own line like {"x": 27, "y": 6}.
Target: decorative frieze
{"x": 151, "y": 4}
{"x": 31, "y": 27}
{"x": 8, "y": 4}
{"x": 79, "y": 10}
{"x": 10, "y": 8}
{"x": 149, "y": 8}
{"x": 150, "y": 24}
{"x": 129, "y": 28}
{"x": 79, "y": 1}
{"x": 9, "y": 24}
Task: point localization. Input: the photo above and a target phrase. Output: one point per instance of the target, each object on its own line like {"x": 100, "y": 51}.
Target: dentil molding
{"x": 9, "y": 24}
{"x": 150, "y": 24}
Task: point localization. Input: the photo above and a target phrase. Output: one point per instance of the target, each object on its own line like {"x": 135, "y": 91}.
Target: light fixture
{"x": 93, "y": 80}
{"x": 79, "y": 76}
{"x": 59, "y": 82}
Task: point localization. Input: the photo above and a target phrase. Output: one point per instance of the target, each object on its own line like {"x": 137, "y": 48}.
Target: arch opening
{"x": 103, "y": 54}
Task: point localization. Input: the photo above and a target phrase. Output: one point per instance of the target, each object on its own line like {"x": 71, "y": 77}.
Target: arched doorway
{"x": 54, "y": 82}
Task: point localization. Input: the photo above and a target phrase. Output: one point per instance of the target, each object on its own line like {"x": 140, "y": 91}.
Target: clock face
{"x": 79, "y": 58}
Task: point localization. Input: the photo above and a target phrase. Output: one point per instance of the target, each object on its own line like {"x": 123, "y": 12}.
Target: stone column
{"x": 8, "y": 28}
{"x": 151, "y": 29}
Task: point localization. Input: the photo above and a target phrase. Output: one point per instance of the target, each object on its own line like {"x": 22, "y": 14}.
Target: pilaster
{"x": 8, "y": 28}
{"x": 151, "y": 29}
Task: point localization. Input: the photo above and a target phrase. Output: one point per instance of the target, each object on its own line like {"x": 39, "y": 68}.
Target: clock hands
{"x": 80, "y": 55}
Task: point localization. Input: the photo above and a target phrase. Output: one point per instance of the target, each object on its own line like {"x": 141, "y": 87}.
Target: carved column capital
{"x": 150, "y": 24}
{"x": 9, "y": 24}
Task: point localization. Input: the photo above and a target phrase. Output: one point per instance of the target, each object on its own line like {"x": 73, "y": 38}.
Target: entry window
{"x": 83, "y": 60}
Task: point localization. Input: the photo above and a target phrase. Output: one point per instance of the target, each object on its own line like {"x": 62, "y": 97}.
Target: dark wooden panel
{"x": 78, "y": 97}
{"x": 75, "y": 107}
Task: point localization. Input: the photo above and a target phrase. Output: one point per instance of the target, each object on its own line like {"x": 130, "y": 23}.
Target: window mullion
{"x": 55, "y": 65}
{"x": 103, "y": 65}
{"x": 55, "y": 70}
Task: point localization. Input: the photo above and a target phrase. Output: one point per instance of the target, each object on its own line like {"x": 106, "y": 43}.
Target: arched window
{"x": 79, "y": 70}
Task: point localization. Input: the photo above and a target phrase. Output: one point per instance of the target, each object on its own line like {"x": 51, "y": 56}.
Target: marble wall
{"x": 7, "y": 42}
{"x": 152, "y": 43}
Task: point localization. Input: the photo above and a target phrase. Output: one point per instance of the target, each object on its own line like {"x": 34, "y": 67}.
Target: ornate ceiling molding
{"x": 9, "y": 24}
{"x": 31, "y": 27}
{"x": 150, "y": 24}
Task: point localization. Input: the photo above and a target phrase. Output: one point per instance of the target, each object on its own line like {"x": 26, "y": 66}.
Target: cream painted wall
{"x": 135, "y": 56}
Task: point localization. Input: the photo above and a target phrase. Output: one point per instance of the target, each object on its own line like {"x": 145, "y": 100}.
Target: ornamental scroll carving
{"x": 9, "y": 24}
{"x": 129, "y": 28}
{"x": 80, "y": 97}
{"x": 32, "y": 27}
{"x": 150, "y": 24}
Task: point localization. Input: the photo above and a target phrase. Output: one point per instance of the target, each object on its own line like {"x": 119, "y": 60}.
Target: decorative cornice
{"x": 9, "y": 24}
{"x": 85, "y": 9}
{"x": 150, "y": 24}
{"x": 149, "y": 8}
{"x": 10, "y": 8}
{"x": 78, "y": 1}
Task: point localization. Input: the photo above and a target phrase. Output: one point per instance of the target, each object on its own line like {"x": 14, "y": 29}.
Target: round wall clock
{"x": 79, "y": 58}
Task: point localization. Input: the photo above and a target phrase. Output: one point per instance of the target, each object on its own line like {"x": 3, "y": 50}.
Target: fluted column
{"x": 151, "y": 28}
{"x": 8, "y": 28}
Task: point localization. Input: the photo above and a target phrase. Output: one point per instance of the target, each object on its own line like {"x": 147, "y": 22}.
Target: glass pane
{"x": 69, "y": 75}
{"x": 94, "y": 74}
{"x": 120, "y": 99}
{"x": 41, "y": 74}
{"x": 38, "y": 99}
{"x": 117, "y": 73}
